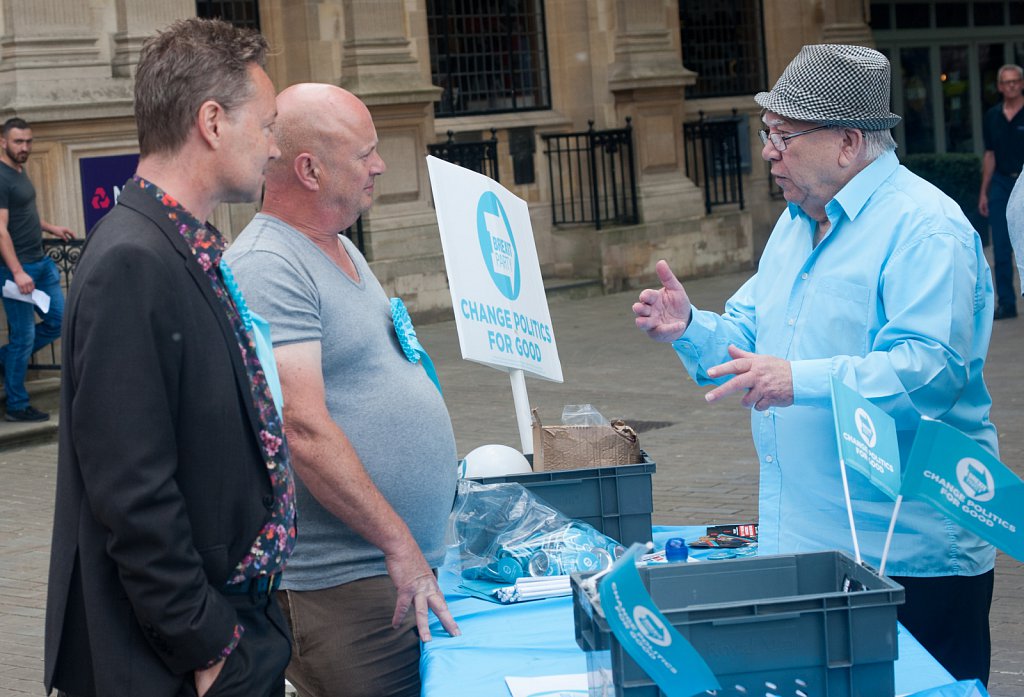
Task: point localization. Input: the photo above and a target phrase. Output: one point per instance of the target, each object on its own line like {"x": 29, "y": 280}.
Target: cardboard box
{"x": 574, "y": 447}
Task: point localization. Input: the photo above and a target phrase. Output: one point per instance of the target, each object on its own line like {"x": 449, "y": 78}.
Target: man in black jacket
{"x": 175, "y": 503}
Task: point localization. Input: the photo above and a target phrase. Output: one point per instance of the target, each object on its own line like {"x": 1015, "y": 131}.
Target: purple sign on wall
{"x": 102, "y": 180}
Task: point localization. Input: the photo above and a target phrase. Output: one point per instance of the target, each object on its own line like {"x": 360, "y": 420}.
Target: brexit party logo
{"x": 651, "y": 626}
{"x": 975, "y": 480}
{"x": 866, "y": 428}
{"x": 498, "y": 245}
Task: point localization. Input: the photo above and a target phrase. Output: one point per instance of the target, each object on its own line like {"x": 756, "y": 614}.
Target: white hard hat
{"x": 494, "y": 460}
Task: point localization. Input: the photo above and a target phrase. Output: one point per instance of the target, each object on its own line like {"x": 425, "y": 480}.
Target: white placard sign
{"x": 501, "y": 312}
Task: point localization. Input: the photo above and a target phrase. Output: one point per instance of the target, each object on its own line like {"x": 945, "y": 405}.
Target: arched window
{"x": 488, "y": 56}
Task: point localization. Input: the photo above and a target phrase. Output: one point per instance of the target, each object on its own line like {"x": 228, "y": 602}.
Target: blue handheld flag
{"x": 867, "y": 438}
{"x": 961, "y": 479}
{"x": 647, "y": 636}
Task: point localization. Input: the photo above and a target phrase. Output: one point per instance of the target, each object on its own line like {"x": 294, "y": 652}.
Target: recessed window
{"x": 723, "y": 42}
{"x": 488, "y": 57}
{"x": 241, "y": 13}
{"x": 912, "y": 15}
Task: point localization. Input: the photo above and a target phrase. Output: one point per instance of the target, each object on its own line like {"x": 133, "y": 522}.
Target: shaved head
{"x": 312, "y": 116}
{"x": 328, "y": 160}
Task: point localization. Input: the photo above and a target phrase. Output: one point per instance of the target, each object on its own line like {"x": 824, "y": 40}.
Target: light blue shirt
{"x": 897, "y": 302}
{"x": 1015, "y": 224}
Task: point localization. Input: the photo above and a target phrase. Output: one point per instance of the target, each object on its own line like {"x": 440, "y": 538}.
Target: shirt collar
{"x": 852, "y": 198}
{"x": 205, "y": 241}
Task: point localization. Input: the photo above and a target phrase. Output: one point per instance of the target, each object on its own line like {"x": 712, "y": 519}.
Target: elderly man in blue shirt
{"x": 876, "y": 277}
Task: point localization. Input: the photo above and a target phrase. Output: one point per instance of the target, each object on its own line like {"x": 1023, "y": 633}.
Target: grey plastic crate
{"x": 779, "y": 625}
{"x": 615, "y": 500}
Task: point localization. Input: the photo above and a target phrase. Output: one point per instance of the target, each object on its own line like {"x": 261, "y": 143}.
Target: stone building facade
{"x": 67, "y": 68}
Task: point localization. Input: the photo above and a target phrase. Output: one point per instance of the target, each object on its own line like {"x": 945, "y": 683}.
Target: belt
{"x": 262, "y": 585}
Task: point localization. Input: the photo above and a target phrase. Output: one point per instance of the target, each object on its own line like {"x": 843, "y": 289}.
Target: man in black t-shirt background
{"x": 23, "y": 263}
{"x": 1003, "y": 132}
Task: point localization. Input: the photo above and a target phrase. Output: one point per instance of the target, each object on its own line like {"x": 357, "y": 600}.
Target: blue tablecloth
{"x": 538, "y": 638}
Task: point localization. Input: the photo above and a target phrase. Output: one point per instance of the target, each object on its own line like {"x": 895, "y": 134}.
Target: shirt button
{"x": 768, "y": 458}
{"x": 791, "y": 322}
{"x": 805, "y": 276}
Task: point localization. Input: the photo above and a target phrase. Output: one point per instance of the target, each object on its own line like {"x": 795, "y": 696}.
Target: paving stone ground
{"x": 706, "y": 471}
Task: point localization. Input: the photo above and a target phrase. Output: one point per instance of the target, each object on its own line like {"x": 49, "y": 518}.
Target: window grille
{"x": 476, "y": 155}
{"x": 241, "y": 13}
{"x": 723, "y": 42}
{"x": 488, "y": 57}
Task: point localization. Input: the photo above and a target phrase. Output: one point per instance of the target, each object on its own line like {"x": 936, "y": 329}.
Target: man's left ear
{"x": 209, "y": 122}
{"x": 852, "y": 146}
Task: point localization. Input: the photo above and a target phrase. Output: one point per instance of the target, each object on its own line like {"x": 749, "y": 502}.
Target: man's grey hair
{"x": 1011, "y": 66}
{"x": 877, "y": 143}
{"x": 192, "y": 61}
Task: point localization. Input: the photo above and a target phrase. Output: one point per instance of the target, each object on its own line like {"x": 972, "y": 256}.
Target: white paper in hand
{"x": 37, "y": 297}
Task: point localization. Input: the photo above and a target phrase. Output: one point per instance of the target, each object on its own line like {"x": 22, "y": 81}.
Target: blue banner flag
{"x": 961, "y": 479}
{"x": 867, "y": 438}
{"x": 647, "y": 636}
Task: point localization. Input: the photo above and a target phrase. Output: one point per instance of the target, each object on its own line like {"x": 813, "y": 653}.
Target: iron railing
{"x": 713, "y": 159}
{"x": 65, "y": 255}
{"x": 478, "y": 155}
{"x": 593, "y": 178}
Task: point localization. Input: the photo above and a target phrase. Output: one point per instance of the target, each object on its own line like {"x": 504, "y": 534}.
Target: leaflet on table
{"x": 548, "y": 685}
{"x": 36, "y": 297}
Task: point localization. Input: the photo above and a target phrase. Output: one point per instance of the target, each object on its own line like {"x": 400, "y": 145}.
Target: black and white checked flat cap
{"x": 836, "y": 85}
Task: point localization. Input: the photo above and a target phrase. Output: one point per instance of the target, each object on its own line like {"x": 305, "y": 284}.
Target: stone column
{"x": 846, "y": 23}
{"x": 138, "y": 19}
{"x": 50, "y": 55}
{"x": 381, "y": 65}
{"x": 647, "y": 79}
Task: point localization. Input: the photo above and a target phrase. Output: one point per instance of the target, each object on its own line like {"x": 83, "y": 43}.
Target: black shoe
{"x": 29, "y": 413}
{"x": 1005, "y": 312}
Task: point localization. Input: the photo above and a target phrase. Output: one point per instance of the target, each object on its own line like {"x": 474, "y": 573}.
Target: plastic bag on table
{"x": 501, "y": 532}
{"x": 582, "y": 415}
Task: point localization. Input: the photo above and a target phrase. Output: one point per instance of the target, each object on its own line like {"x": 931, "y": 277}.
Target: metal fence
{"x": 478, "y": 155}
{"x": 65, "y": 255}
{"x": 714, "y": 159}
{"x": 593, "y": 178}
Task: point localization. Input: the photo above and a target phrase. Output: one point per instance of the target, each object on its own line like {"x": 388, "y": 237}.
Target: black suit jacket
{"x": 161, "y": 487}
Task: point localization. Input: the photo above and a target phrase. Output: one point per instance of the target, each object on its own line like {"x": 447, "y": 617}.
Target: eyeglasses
{"x": 779, "y": 140}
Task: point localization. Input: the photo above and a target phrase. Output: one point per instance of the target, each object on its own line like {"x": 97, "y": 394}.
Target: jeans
{"x": 25, "y": 336}
{"x": 1002, "y": 253}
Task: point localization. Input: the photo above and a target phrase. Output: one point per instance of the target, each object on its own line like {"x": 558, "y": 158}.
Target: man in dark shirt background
{"x": 1003, "y": 131}
{"x": 21, "y": 249}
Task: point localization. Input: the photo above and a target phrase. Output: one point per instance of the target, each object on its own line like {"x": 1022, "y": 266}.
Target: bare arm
{"x": 57, "y": 230}
{"x": 330, "y": 468}
{"x": 23, "y": 280}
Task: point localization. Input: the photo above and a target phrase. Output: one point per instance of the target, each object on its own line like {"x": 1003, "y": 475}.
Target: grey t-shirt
{"x": 387, "y": 406}
{"x": 18, "y": 196}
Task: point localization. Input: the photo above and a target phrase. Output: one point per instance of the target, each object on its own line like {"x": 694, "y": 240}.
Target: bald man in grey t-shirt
{"x": 370, "y": 435}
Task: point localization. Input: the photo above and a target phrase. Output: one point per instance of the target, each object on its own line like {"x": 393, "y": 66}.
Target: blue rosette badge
{"x": 411, "y": 346}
